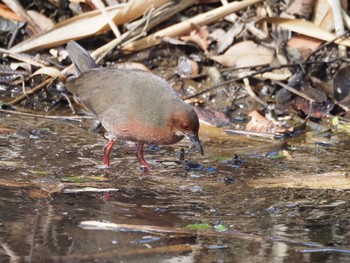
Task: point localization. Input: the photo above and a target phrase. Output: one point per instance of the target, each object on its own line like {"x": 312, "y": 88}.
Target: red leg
{"x": 140, "y": 157}
{"x": 106, "y": 151}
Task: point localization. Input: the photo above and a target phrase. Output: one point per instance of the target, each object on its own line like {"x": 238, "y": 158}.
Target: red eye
{"x": 185, "y": 126}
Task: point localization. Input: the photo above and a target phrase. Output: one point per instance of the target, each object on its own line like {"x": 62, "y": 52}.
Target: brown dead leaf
{"x": 259, "y": 124}
{"x": 302, "y": 8}
{"x": 199, "y": 36}
{"x": 8, "y": 14}
{"x": 316, "y": 109}
{"x": 303, "y": 45}
{"x": 245, "y": 54}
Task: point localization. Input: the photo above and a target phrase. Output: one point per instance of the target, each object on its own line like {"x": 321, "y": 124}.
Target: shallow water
{"x": 263, "y": 224}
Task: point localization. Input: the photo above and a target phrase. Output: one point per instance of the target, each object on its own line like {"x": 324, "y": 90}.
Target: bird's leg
{"x": 140, "y": 157}
{"x": 106, "y": 151}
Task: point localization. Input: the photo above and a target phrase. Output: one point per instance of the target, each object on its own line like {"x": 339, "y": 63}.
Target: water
{"x": 41, "y": 223}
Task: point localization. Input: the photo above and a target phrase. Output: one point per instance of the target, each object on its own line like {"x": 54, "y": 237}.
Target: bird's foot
{"x": 142, "y": 161}
{"x": 145, "y": 167}
{"x": 106, "y": 151}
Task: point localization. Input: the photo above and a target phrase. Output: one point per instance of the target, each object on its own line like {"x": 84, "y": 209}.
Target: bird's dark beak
{"x": 195, "y": 140}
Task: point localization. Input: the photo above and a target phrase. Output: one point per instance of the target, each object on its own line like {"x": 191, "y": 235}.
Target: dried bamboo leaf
{"x": 186, "y": 26}
{"x": 306, "y": 28}
{"x": 85, "y": 25}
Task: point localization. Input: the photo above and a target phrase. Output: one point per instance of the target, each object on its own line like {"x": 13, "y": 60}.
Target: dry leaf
{"x": 24, "y": 65}
{"x": 258, "y": 123}
{"x": 245, "y": 54}
{"x": 185, "y": 27}
{"x": 226, "y": 40}
{"x": 76, "y": 27}
{"x": 199, "y": 36}
{"x": 50, "y": 71}
{"x": 8, "y": 14}
{"x": 131, "y": 65}
{"x": 21, "y": 12}
{"x": 323, "y": 15}
{"x": 303, "y": 45}
{"x": 216, "y": 34}
{"x": 315, "y": 109}
{"x": 302, "y": 8}
{"x": 305, "y": 28}
{"x": 42, "y": 21}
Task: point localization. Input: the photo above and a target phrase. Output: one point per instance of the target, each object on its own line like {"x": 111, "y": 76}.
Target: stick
{"x": 32, "y": 91}
{"x": 73, "y": 118}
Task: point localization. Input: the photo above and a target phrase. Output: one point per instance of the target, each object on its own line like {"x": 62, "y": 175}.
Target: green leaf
{"x": 220, "y": 228}
{"x": 199, "y": 226}
{"x": 335, "y": 121}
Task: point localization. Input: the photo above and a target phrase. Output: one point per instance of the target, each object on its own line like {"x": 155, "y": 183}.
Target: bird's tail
{"x": 80, "y": 57}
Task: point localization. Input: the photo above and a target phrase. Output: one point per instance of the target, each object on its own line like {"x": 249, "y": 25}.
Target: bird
{"x": 131, "y": 105}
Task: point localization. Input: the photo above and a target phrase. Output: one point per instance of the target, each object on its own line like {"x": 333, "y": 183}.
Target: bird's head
{"x": 186, "y": 123}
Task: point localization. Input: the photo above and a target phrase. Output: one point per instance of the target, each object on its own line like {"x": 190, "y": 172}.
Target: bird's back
{"x": 125, "y": 92}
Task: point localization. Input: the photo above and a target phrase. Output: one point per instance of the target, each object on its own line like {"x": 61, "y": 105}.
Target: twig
{"x": 257, "y": 72}
{"x": 293, "y": 90}
{"x": 88, "y": 190}
{"x": 251, "y": 92}
{"x": 25, "y": 58}
{"x": 32, "y": 91}
{"x": 99, "y": 4}
{"x": 69, "y": 103}
{"x": 149, "y": 22}
{"x": 323, "y": 250}
{"x": 73, "y": 118}
{"x": 249, "y": 133}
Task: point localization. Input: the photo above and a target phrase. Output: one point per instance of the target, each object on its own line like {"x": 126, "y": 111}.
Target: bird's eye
{"x": 185, "y": 126}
